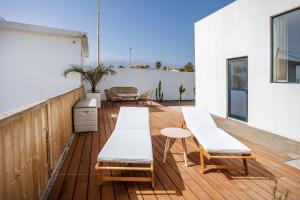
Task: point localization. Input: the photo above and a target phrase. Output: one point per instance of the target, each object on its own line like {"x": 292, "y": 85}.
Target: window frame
{"x": 271, "y": 44}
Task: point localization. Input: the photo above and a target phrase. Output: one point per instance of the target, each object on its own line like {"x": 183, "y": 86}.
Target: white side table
{"x": 176, "y": 133}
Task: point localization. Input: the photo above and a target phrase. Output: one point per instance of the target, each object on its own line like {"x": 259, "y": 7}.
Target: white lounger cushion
{"x": 196, "y": 116}
{"x": 215, "y": 140}
{"x": 131, "y": 140}
{"x": 133, "y": 118}
{"x": 211, "y": 138}
{"x": 131, "y": 147}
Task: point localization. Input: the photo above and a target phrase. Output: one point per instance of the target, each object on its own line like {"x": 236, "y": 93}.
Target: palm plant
{"x": 158, "y": 65}
{"x": 189, "y": 67}
{"x": 91, "y": 74}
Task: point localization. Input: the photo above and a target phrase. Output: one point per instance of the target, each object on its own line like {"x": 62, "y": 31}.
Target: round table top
{"x": 175, "y": 132}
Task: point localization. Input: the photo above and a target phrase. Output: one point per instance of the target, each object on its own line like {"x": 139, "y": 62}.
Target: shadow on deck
{"x": 77, "y": 178}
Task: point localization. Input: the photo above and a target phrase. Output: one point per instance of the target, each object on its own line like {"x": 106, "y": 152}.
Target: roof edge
{"x": 17, "y": 26}
{"x": 40, "y": 29}
{"x": 230, "y": 4}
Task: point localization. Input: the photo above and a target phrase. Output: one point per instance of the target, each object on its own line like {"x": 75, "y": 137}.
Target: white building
{"x": 32, "y": 61}
{"x": 248, "y": 64}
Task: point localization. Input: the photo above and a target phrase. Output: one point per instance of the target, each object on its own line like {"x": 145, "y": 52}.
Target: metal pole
{"x": 130, "y": 57}
{"x": 98, "y": 34}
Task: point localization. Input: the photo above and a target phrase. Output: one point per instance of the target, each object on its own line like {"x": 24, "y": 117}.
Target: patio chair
{"x": 145, "y": 97}
{"x": 213, "y": 141}
{"x": 129, "y": 144}
{"x": 111, "y": 97}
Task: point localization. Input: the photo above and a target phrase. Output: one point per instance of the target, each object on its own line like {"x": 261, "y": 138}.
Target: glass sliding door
{"x": 238, "y": 88}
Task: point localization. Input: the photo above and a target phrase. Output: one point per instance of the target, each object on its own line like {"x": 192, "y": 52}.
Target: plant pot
{"x": 96, "y": 95}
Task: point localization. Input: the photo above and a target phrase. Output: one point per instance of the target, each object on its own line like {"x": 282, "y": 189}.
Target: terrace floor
{"x": 77, "y": 178}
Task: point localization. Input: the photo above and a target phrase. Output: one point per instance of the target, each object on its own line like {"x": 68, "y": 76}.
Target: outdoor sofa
{"x": 119, "y": 94}
{"x": 126, "y": 93}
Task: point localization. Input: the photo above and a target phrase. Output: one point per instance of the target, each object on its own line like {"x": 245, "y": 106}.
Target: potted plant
{"x": 93, "y": 75}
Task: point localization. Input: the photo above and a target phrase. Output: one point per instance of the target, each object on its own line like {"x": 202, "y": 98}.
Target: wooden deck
{"x": 77, "y": 178}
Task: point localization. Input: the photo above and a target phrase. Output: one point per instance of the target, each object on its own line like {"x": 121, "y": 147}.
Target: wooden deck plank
{"x": 230, "y": 192}
{"x": 145, "y": 186}
{"x": 54, "y": 194}
{"x": 133, "y": 188}
{"x": 178, "y": 148}
{"x": 82, "y": 181}
{"x": 262, "y": 192}
{"x": 107, "y": 190}
{"x": 269, "y": 189}
{"x": 179, "y": 161}
{"x": 177, "y": 178}
{"x": 68, "y": 187}
{"x": 160, "y": 140}
{"x": 78, "y": 179}
{"x": 93, "y": 186}
{"x": 189, "y": 190}
{"x": 109, "y": 126}
{"x": 198, "y": 188}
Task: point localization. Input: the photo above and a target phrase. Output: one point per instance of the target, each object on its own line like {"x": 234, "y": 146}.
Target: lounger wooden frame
{"x": 204, "y": 154}
{"x": 103, "y": 178}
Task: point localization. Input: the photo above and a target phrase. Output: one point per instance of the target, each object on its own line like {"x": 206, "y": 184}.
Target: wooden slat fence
{"x": 31, "y": 143}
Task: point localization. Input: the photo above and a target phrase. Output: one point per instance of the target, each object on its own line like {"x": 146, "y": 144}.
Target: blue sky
{"x": 155, "y": 29}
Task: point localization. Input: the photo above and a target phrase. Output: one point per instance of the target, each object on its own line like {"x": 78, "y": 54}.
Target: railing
{"x": 31, "y": 143}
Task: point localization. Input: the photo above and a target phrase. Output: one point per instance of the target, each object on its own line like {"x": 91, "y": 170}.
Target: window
{"x": 239, "y": 74}
{"x": 286, "y": 47}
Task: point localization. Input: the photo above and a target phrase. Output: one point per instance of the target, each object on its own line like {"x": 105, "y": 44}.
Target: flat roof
{"x": 10, "y": 25}
{"x": 204, "y": 17}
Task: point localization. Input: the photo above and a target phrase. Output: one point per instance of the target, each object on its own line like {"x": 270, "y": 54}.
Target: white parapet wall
{"x": 32, "y": 61}
{"x": 243, "y": 29}
{"x": 144, "y": 79}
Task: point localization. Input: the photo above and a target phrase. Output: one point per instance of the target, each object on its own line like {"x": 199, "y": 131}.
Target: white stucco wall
{"x": 243, "y": 29}
{"x": 31, "y": 67}
{"x": 148, "y": 80}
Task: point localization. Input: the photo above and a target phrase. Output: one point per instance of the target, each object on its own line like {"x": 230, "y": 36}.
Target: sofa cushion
{"x": 124, "y": 90}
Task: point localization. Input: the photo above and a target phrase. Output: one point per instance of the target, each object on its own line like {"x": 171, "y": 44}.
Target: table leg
{"x": 166, "y": 149}
{"x": 184, "y": 151}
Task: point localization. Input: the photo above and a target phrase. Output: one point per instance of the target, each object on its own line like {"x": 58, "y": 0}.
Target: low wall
{"x": 31, "y": 144}
{"x": 144, "y": 80}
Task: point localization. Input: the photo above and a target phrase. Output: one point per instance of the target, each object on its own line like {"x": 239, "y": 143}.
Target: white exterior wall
{"x": 31, "y": 67}
{"x": 144, "y": 80}
{"x": 243, "y": 29}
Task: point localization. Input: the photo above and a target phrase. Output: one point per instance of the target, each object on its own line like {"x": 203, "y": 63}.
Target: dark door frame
{"x": 229, "y": 89}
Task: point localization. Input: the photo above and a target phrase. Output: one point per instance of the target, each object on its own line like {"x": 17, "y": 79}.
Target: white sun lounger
{"x": 213, "y": 141}
{"x": 130, "y": 143}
